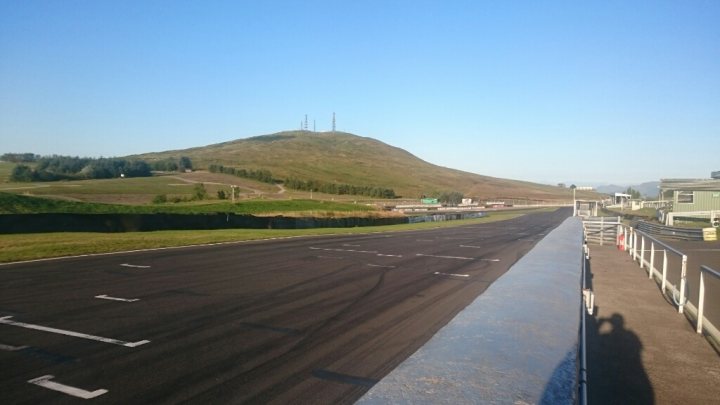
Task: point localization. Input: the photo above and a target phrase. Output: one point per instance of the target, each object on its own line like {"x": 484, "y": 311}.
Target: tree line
{"x": 260, "y": 175}
{"x": 305, "y": 185}
{"x": 56, "y": 167}
{"x": 340, "y": 189}
{"x": 19, "y": 157}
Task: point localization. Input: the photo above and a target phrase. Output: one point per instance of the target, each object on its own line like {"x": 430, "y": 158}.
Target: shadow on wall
{"x": 614, "y": 359}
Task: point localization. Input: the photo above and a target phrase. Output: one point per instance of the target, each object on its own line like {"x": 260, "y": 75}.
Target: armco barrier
{"x": 517, "y": 343}
{"x": 669, "y": 231}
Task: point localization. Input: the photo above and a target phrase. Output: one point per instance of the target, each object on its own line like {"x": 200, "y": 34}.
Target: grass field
{"x": 15, "y": 248}
{"x": 5, "y": 170}
{"x": 20, "y": 204}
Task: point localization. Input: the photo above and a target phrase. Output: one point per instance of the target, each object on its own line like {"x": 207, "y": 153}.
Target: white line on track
{"x": 344, "y": 250}
{"x": 382, "y": 255}
{"x": 451, "y": 274}
{"x": 106, "y": 297}
{"x": 137, "y": 266}
{"x": 379, "y": 265}
{"x": 45, "y": 382}
{"x": 490, "y": 260}
{"x": 472, "y": 246}
{"x": 9, "y": 348}
{"x": 447, "y": 257}
{"x": 6, "y": 320}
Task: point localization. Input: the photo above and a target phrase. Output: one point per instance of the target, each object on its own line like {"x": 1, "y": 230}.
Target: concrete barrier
{"x": 517, "y": 343}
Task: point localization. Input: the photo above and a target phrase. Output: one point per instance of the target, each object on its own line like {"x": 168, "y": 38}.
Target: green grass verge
{"x": 6, "y": 169}
{"x": 22, "y": 247}
{"x": 19, "y": 204}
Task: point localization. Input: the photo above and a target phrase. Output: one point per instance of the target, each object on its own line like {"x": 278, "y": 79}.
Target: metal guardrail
{"x": 635, "y": 243}
{"x": 670, "y": 231}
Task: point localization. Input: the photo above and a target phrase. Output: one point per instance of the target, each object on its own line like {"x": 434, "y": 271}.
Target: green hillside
{"x": 339, "y": 157}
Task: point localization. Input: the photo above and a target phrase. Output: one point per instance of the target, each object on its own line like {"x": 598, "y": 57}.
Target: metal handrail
{"x": 632, "y": 243}
{"x": 661, "y": 243}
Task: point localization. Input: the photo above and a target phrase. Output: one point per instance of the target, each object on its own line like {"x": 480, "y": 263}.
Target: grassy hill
{"x": 345, "y": 158}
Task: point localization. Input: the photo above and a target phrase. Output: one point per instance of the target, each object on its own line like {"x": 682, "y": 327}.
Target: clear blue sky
{"x": 545, "y": 91}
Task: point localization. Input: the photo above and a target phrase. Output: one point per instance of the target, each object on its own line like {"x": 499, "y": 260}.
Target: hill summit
{"x": 344, "y": 158}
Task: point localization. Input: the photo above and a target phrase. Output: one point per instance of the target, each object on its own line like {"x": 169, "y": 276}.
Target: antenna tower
{"x": 306, "y": 122}
{"x": 333, "y": 122}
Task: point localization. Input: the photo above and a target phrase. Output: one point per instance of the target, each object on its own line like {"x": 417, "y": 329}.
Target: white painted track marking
{"x": 106, "y": 297}
{"x": 9, "y": 348}
{"x": 6, "y": 320}
{"x": 45, "y": 382}
{"x": 136, "y": 266}
{"x": 447, "y": 257}
{"x": 344, "y": 250}
{"x": 471, "y": 246}
{"x": 490, "y": 260}
{"x": 379, "y": 265}
{"x": 451, "y": 274}
{"x": 355, "y": 251}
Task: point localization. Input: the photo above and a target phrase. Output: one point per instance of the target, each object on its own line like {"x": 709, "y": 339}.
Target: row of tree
{"x": 172, "y": 164}
{"x": 19, "y": 157}
{"x": 341, "y": 189}
{"x": 260, "y": 175}
{"x": 56, "y": 167}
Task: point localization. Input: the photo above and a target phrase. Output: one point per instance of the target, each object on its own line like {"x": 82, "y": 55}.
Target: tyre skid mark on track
{"x": 344, "y": 378}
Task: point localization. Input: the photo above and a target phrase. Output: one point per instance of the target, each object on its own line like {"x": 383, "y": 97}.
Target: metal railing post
{"x": 642, "y": 251}
{"x": 701, "y": 301}
{"x": 652, "y": 259}
{"x": 683, "y": 275}
{"x": 634, "y": 248}
{"x": 664, "y": 276}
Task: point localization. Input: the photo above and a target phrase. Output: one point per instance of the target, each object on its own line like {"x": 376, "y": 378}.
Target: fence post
{"x": 652, "y": 259}
{"x": 664, "y": 276}
{"x": 642, "y": 251}
{"x": 701, "y": 301}
{"x": 626, "y": 242}
{"x": 683, "y": 275}
{"x": 634, "y": 248}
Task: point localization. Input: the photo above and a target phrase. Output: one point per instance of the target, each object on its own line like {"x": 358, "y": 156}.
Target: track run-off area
{"x": 304, "y": 320}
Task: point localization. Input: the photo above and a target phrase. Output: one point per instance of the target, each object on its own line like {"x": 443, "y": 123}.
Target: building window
{"x": 685, "y": 197}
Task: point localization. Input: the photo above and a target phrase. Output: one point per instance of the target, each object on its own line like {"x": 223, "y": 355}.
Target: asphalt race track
{"x": 304, "y": 320}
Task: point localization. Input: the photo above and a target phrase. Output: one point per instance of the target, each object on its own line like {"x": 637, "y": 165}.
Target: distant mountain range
{"x": 648, "y": 189}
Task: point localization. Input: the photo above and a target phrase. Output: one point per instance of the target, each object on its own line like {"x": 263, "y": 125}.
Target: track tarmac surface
{"x": 306, "y": 320}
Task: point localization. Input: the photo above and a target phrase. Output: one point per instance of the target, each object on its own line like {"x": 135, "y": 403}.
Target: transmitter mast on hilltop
{"x": 333, "y": 124}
